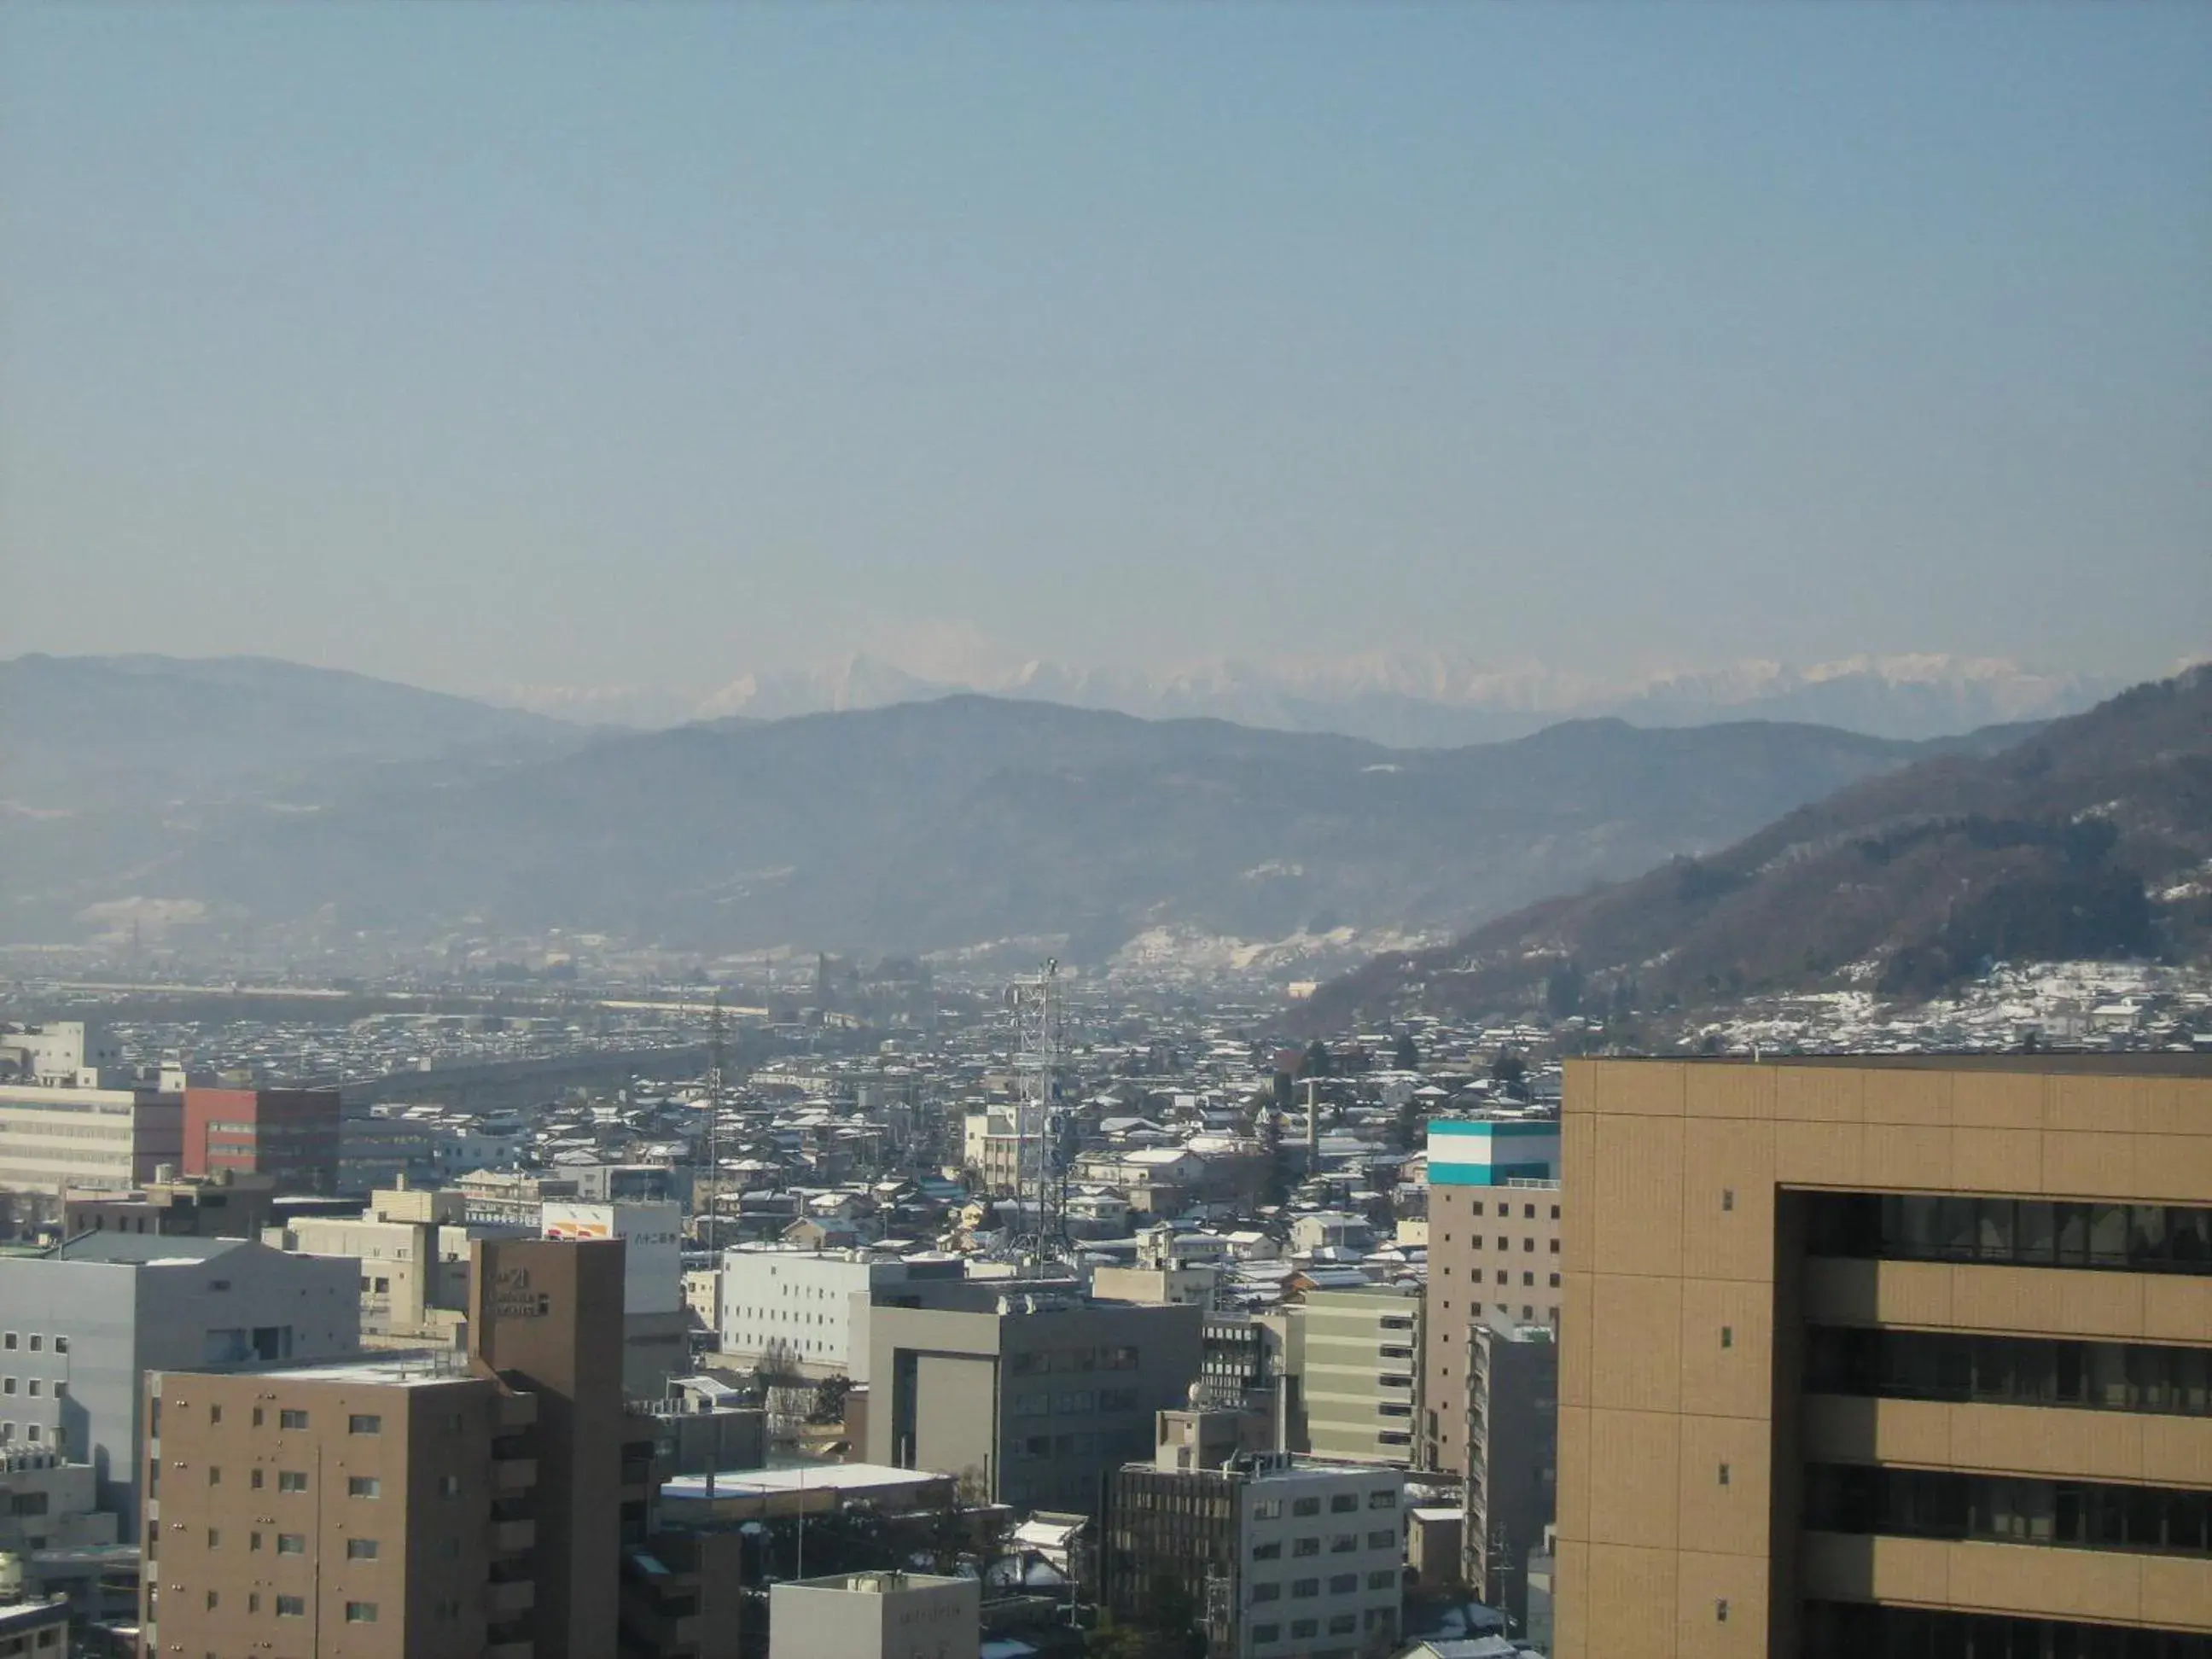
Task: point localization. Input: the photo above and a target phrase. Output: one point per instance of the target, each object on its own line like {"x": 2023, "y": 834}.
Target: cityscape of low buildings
{"x": 818, "y": 1345}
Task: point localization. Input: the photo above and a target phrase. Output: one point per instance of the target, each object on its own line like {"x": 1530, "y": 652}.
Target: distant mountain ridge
{"x": 924, "y": 826}
{"x": 75, "y": 731}
{"x": 2091, "y": 837}
{"x": 1412, "y": 700}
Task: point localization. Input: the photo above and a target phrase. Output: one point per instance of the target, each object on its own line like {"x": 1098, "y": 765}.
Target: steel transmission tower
{"x": 710, "y": 1232}
{"x": 1041, "y": 1164}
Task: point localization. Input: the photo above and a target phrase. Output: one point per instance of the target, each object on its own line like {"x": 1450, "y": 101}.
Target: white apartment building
{"x": 1324, "y": 1556}
{"x": 1280, "y": 1558}
{"x": 54, "y": 1138}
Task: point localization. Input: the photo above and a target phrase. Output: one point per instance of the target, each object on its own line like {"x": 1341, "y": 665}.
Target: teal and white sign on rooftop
{"x": 1483, "y": 1153}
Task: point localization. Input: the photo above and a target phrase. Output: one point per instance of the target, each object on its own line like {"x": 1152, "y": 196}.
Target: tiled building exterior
{"x": 1904, "y": 1355}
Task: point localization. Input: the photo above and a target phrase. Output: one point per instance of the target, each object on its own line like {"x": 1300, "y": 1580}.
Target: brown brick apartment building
{"x": 398, "y": 1508}
{"x": 1895, "y": 1356}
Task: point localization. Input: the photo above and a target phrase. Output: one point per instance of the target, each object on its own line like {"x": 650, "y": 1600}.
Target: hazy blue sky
{"x": 548, "y": 344}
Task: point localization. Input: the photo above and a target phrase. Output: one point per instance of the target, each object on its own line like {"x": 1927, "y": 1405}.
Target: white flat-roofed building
{"x": 875, "y": 1615}
{"x": 802, "y": 1304}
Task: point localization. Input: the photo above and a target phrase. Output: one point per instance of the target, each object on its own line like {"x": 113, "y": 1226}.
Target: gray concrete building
{"x": 1513, "y": 1456}
{"x": 1272, "y": 1557}
{"x": 80, "y": 1324}
{"x": 1031, "y": 1391}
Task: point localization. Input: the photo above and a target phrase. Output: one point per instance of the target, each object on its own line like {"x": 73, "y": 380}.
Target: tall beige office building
{"x": 1908, "y": 1355}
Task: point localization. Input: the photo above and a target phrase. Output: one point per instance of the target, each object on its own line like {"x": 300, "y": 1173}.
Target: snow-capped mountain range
{"x": 1409, "y": 700}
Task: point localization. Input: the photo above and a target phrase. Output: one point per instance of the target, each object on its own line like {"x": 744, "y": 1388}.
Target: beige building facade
{"x": 1903, "y": 1354}
{"x": 1356, "y": 1355}
{"x": 65, "y": 1138}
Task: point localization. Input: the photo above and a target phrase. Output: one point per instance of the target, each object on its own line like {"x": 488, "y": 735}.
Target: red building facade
{"x": 291, "y": 1134}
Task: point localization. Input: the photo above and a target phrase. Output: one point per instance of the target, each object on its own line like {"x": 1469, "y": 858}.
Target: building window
{"x": 61, "y": 1345}
{"x": 360, "y": 1612}
{"x": 1271, "y": 1551}
{"x": 1305, "y": 1589}
{"x": 449, "y": 1485}
{"x": 291, "y": 1606}
{"x": 1267, "y": 1633}
{"x": 1267, "y": 1509}
{"x": 1383, "y": 1578}
{"x": 1267, "y": 1592}
{"x": 1344, "y": 1543}
{"x": 1381, "y": 1540}
{"x": 1383, "y": 1498}
{"x": 291, "y": 1480}
{"x": 291, "y": 1543}
{"x": 360, "y": 1424}
{"x": 365, "y": 1485}
{"x": 38, "y": 1343}
{"x": 1306, "y": 1546}
{"x": 1302, "y": 1629}
{"x": 1344, "y": 1583}
{"x": 1343, "y": 1623}
{"x": 214, "y": 1474}
{"x": 1305, "y": 1506}
{"x": 1344, "y": 1502}
{"x": 291, "y": 1419}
